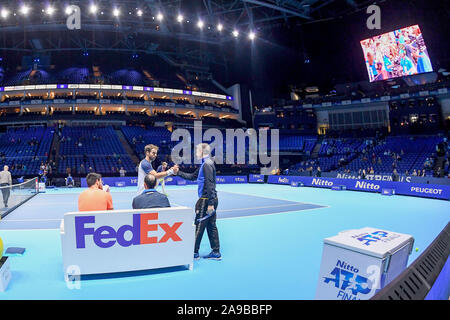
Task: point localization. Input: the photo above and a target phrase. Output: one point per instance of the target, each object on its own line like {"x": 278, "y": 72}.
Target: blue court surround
{"x": 271, "y": 242}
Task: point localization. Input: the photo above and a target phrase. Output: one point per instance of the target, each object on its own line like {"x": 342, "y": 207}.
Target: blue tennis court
{"x": 271, "y": 242}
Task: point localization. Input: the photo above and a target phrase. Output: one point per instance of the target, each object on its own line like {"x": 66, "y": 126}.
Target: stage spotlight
{"x": 50, "y": 10}
{"x": 68, "y": 10}
{"x": 180, "y": 18}
{"x": 140, "y": 13}
{"x": 219, "y": 27}
{"x": 4, "y": 13}
{"x": 200, "y": 24}
{"x": 24, "y": 10}
{"x": 159, "y": 17}
{"x": 235, "y": 33}
{"x": 93, "y": 9}
{"x": 251, "y": 35}
{"x": 116, "y": 12}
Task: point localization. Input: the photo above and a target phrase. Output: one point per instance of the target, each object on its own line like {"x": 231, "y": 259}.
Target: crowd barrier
{"x": 381, "y": 177}
{"x": 410, "y": 189}
{"x": 174, "y": 180}
{"x": 427, "y": 190}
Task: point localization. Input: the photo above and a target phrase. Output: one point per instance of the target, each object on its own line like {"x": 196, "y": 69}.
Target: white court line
{"x": 3, "y": 230}
{"x": 248, "y": 194}
{"x": 268, "y": 214}
{"x": 275, "y": 198}
{"x": 277, "y": 206}
{"x": 31, "y": 220}
{"x": 227, "y": 210}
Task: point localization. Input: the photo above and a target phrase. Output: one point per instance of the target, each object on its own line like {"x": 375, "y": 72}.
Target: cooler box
{"x": 356, "y": 264}
{"x": 5, "y": 273}
{"x": 41, "y": 187}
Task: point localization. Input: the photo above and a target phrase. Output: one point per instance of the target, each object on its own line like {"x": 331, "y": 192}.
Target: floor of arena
{"x": 271, "y": 242}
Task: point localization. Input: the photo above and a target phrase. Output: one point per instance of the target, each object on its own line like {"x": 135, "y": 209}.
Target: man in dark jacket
{"x": 395, "y": 175}
{"x": 150, "y": 198}
{"x": 206, "y": 206}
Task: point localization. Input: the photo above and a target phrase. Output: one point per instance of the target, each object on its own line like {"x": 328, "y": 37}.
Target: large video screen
{"x": 396, "y": 54}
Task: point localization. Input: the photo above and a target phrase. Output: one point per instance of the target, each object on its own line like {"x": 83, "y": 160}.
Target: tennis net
{"x": 15, "y": 195}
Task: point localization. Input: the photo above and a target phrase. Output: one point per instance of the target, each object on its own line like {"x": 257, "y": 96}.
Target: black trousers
{"x": 201, "y": 208}
{"x": 5, "y": 192}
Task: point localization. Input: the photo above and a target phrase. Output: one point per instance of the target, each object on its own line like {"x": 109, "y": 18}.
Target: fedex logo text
{"x": 107, "y": 236}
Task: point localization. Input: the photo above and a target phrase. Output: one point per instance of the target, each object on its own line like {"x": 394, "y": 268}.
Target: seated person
{"x": 150, "y": 198}
{"x": 43, "y": 178}
{"x": 69, "y": 181}
{"x": 96, "y": 197}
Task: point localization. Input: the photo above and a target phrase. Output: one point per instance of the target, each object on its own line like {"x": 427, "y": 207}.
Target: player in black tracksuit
{"x": 207, "y": 203}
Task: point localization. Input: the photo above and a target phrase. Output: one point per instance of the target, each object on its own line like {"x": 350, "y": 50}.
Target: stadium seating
{"x": 23, "y": 149}
{"x": 98, "y": 147}
{"x": 413, "y": 151}
{"x": 138, "y": 137}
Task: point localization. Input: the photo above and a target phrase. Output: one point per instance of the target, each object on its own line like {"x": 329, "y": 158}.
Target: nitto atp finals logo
{"x": 350, "y": 284}
{"x": 377, "y": 236}
{"x": 107, "y": 236}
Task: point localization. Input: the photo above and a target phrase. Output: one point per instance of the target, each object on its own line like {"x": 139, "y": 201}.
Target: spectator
{"x": 150, "y": 198}
{"x": 319, "y": 172}
{"x": 395, "y": 176}
{"x": 69, "y": 181}
{"x": 122, "y": 172}
{"x": 363, "y": 174}
{"x": 96, "y": 197}
{"x": 414, "y": 174}
{"x": 5, "y": 182}
{"x": 44, "y": 177}
{"x": 82, "y": 169}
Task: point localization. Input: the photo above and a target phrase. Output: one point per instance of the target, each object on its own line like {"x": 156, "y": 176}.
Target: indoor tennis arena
{"x": 224, "y": 155}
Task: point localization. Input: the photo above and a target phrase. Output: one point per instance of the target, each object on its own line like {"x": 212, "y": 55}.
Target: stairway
{"x": 127, "y": 146}
{"x": 315, "y": 151}
{"x": 439, "y": 163}
{"x": 55, "y": 146}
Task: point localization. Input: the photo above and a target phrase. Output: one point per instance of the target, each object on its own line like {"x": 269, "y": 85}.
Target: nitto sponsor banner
{"x": 113, "y": 181}
{"x": 231, "y": 179}
{"x": 174, "y": 180}
{"x": 377, "y": 177}
{"x": 256, "y": 178}
{"x": 401, "y": 188}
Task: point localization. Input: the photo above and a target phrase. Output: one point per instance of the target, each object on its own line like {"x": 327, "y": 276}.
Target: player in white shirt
{"x": 146, "y": 167}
